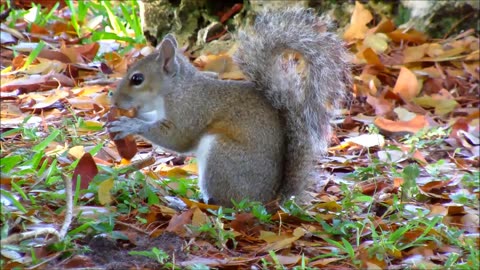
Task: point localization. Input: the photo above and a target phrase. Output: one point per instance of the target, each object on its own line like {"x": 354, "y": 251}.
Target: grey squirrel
{"x": 255, "y": 139}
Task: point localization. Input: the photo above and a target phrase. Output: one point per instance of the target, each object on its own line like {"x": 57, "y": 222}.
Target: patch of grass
{"x": 157, "y": 254}
{"x": 216, "y": 232}
{"x": 426, "y": 138}
{"x": 375, "y": 169}
{"x": 292, "y": 208}
{"x": 257, "y": 209}
{"x": 40, "y": 16}
{"x": 409, "y": 186}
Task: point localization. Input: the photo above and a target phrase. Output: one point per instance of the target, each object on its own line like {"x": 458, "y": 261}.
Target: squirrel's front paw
{"x": 124, "y": 126}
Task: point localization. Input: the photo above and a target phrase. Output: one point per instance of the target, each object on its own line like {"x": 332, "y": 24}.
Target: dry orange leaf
{"x": 434, "y": 49}
{"x": 414, "y": 36}
{"x": 413, "y": 126}
{"x": 371, "y": 57}
{"x": 116, "y": 62}
{"x": 203, "y": 206}
{"x": 221, "y": 64}
{"x": 358, "y": 23}
{"x": 385, "y": 26}
{"x": 407, "y": 85}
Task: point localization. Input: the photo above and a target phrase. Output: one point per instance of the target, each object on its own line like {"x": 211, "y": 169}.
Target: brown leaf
{"x": 54, "y": 55}
{"x": 435, "y": 186}
{"x": 36, "y": 83}
{"x": 178, "y": 222}
{"x": 79, "y": 261}
{"x": 454, "y": 210}
{"x": 127, "y": 147}
{"x": 86, "y": 169}
{"x": 246, "y": 223}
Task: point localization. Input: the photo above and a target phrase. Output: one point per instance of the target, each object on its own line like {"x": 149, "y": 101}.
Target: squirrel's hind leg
{"x": 228, "y": 171}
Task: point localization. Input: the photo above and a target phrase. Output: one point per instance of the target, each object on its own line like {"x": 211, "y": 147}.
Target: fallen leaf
{"x": 358, "y": 23}
{"x": 127, "y": 146}
{"x": 37, "y": 83}
{"x": 442, "y": 105}
{"x": 414, "y": 53}
{"x": 406, "y": 85}
{"x": 191, "y": 168}
{"x": 400, "y": 35}
{"x": 367, "y": 140}
{"x": 380, "y": 104}
{"x": 199, "y": 218}
{"x": 178, "y": 222}
{"x": 412, "y": 126}
{"x": 245, "y": 223}
{"x": 377, "y": 42}
{"x": 104, "y": 196}
{"x": 372, "y": 58}
{"x": 77, "y": 151}
{"x": 86, "y": 169}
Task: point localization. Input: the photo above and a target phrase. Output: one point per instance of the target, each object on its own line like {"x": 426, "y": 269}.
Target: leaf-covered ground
{"x": 399, "y": 188}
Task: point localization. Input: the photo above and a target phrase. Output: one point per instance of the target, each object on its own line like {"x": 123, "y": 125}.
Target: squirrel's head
{"x": 155, "y": 76}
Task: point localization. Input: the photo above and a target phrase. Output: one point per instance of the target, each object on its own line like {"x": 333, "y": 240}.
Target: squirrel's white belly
{"x": 202, "y": 153}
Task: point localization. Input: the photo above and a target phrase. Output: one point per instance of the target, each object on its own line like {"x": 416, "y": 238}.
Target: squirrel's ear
{"x": 169, "y": 37}
{"x": 172, "y": 39}
{"x": 166, "y": 56}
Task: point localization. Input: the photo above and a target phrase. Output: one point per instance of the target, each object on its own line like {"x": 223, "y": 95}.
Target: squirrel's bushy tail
{"x": 305, "y": 90}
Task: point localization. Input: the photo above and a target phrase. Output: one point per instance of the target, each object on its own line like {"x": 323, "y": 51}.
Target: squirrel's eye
{"x": 136, "y": 79}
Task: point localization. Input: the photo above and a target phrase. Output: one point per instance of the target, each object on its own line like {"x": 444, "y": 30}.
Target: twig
{"x": 133, "y": 227}
{"x": 58, "y": 236}
{"x": 139, "y": 164}
{"x": 69, "y": 206}
{"x": 18, "y": 237}
{"x": 457, "y": 23}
